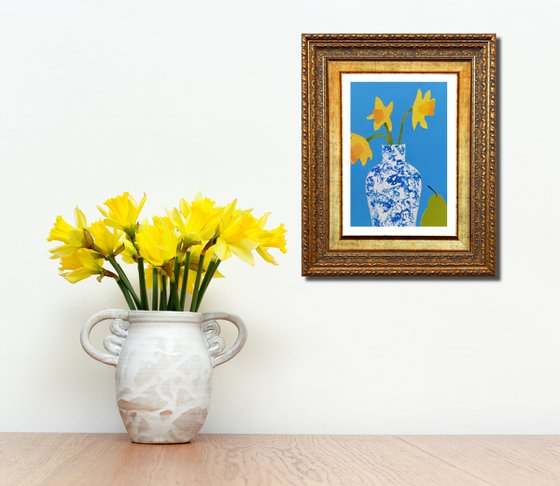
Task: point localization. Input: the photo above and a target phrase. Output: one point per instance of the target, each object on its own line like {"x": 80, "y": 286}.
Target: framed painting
{"x": 399, "y": 154}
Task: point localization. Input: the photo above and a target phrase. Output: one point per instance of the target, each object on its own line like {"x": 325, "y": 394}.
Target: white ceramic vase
{"x": 164, "y": 363}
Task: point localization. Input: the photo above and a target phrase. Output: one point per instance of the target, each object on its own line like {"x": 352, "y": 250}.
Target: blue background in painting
{"x": 426, "y": 149}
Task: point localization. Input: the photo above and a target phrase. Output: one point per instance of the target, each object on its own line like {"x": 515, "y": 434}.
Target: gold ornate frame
{"x": 472, "y": 252}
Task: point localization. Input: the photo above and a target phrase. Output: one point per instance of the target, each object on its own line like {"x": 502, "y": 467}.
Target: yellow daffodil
{"x": 122, "y": 212}
{"x": 275, "y": 238}
{"x": 129, "y": 253}
{"x": 422, "y": 107}
{"x": 72, "y": 237}
{"x": 381, "y": 114}
{"x": 266, "y": 239}
{"x": 235, "y": 234}
{"x": 106, "y": 242}
{"x": 197, "y": 221}
{"x": 359, "y": 149}
{"x": 157, "y": 242}
{"x": 82, "y": 264}
{"x": 182, "y": 251}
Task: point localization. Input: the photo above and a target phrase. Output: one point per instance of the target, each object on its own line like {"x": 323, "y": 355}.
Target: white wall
{"x": 174, "y": 97}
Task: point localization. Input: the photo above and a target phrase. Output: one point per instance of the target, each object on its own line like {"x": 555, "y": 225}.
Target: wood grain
{"x": 98, "y": 459}
{"x": 504, "y": 460}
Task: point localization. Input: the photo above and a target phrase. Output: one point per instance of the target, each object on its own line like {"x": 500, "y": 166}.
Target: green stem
{"x": 377, "y": 135}
{"x": 210, "y": 271}
{"x": 142, "y": 282}
{"x": 185, "y": 279}
{"x": 163, "y": 293}
{"x": 389, "y": 134}
{"x": 209, "y": 274}
{"x": 155, "y": 289}
{"x": 194, "y": 302}
{"x": 173, "y": 302}
{"x": 402, "y": 125}
{"x": 126, "y": 294}
{"x": 125, "y": 281}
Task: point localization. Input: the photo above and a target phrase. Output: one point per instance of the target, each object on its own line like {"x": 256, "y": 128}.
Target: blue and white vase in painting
{"x": 393, "y": 189}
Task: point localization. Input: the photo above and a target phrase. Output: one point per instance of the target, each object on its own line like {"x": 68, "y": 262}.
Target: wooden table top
{"x": 111, "y": 459}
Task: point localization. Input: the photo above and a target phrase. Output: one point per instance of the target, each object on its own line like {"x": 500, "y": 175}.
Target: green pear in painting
{"x": 435, "y": 213}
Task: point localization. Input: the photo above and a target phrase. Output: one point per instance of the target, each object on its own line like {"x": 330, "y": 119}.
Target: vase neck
{"x": 394, "y": 154}
{"x": 158, "y": 318}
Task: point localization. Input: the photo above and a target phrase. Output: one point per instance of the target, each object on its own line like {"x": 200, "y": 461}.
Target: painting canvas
{"x": 399, "y": 154}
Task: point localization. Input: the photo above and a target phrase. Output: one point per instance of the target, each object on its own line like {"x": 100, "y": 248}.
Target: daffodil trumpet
{"x": 175, "y": 255}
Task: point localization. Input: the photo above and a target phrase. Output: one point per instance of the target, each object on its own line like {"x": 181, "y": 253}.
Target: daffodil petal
{"x": 423, "y": 106}
{"x": 222, "y": 250}
{"x": 266, "y": 256}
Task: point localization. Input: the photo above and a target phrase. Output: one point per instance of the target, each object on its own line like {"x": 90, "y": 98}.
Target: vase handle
{"x": 216, "y": 343}
{"x": 113, "y": 342}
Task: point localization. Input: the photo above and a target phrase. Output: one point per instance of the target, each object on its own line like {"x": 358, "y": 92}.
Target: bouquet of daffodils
{"x": 424, "y": 105}
{"x": 174, "y": 254}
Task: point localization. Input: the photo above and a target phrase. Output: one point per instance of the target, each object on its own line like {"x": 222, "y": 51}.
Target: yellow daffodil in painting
{"x": 423, "y": 106}
{"x": 157, "y": 241}
{"x": 359, "y": 149}
{"x": 82, "y": 264}
{"x": 122, "y": 212}
{"x": 393, "y": 187}
{"x": 72, "y": 237}
{"x": 381, "y": 114}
